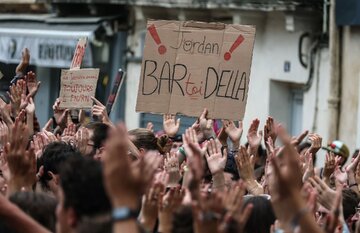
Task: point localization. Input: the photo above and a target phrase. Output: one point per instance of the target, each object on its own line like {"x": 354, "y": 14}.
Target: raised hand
{"x": 254, "y": 137}
{"x": 207, "y": 213}
{"x": 233, "y": 131}
{"x": 15, "y": 93}
{"x": 245, "y": 164}
{"x": 151, "y": 199}
{"x": 5, "y": 112}
{"x": 233, "y": 202}
{"x": 39, "y": 144}
{"x": 357, "y": 174}
{"x": 194, "y": 154}
{"x": 203, "y": 126}
{"x": 150, "y": 126}
{"x": 24, "y": 63}
{"x": 295, "y": 141}
{"x": 167, "y": 206}
{"x": 68, "y": 135}
{"x": 190, "y": 137}
{"x": 309, "y": 166}
{"x": 172, "y": 167}
{"x": 171, "y": 125}
{"x": 60, "y": 115}
{"x": 21, "y": 162}
{"x": 41, "y": 140}
{"x": 325, "y": 194}
{"x": 215, "y": 158}
{"x": 125, "y": 181}
{"x": 4, "y": 134}
{"x": 339, "y": 175}
{"x": 99, "y": 110}
{"x": 82, "y": 138}
{"x": 270, "y": 130}
{"x": 30, "y": 107}
{"x": 286, "y": 184}
{"x": 335, "y": 217}
{"x": 315, "y": 143}
{"x": 330, "y": 165}
{"x": 32, "y": 83}
{"x": 222, "y": 136}
{"x": 351, "y": 168}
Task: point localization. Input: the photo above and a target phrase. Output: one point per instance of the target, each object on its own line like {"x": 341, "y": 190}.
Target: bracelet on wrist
{"x": 123, "y": 214}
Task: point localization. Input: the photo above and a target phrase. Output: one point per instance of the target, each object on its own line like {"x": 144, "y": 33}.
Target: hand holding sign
{"x": 99, "y": 110}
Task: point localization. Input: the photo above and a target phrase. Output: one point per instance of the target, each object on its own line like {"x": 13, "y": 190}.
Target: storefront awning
{"x": 50, "y": 44}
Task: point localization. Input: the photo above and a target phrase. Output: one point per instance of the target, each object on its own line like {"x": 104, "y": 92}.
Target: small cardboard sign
{"x": 77, "y": 88}
{"x": 189, "y": 66}
{"x": 118, "y": 82}
{"x": 79, "y": 53}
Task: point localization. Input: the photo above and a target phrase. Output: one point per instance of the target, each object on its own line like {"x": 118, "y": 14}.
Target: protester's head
{"x": 340, "y": 149}
{"x": 176, "y": 143}
{"x": 321, "y": 215}
{"x": 54, "y": 155}
{"x": 103, "y": 224}
{"x": 303, "y": 147}
{"x": 98, "y": 133}
{"x": 183, "y": 220}
{"x": 145, "y": 140}
{"x": 81, "y": 194}
{"x": 262, "y": 215}
{"x": 39, "y": 206}
{"x": 350, "y": 200}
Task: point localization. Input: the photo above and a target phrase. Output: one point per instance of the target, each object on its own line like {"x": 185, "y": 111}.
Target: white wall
{"x": 349, "y": 115}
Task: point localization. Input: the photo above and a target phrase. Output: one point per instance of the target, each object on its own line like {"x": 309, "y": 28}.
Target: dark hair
{"x": 82, "y": 183}
{"x": 183, "y": 220}
{"x": 39, "y": 206}
{"x": 303, "y": 146}
{"x": 146, "y": 139}
{"x": 100, "y": 134}
{"x": 355, "y": 154}
{"x": 52, "y": 158}
{"x": 93, "y": 225}
{"x": 262, "y": 215}
{"x": 350, "y": 200}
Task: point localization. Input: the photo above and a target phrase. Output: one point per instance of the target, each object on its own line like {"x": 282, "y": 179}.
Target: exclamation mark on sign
{"x": 155, "y": 36}
{"x": 236, "y": 44}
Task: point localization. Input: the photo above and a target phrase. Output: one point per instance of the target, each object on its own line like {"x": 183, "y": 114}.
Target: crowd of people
{"x": 72, "y": 175}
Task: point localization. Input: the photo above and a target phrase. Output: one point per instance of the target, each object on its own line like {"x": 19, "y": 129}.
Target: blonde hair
{"x": 144, "y": 138}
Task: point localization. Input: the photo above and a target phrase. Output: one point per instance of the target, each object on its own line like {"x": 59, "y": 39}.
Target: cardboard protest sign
{"x": 77, "y": 88}
{"x": 78, "y": 85}
{"x": 119, "y": 80}
{"x": 79, "y": 53}
{"x": 189, "y": 66}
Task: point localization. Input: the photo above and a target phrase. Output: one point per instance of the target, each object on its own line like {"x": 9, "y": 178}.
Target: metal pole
{"x": 334, "y": 95}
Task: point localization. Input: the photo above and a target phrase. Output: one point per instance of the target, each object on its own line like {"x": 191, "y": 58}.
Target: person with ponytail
{"x": 145, "y": 140}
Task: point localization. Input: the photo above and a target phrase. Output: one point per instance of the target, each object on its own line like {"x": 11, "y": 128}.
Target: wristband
{"x": 182, "y": 151}
{"x": 123, "y": 213}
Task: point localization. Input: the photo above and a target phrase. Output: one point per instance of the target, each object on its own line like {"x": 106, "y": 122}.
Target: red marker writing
{"x": 154, "y": 34}
{"x": 236, "y": 44}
